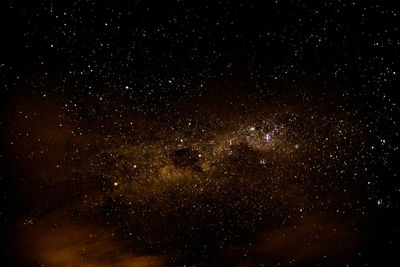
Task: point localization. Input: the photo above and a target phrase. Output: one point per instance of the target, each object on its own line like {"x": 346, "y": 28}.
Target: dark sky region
{"x": 199, "y": 133}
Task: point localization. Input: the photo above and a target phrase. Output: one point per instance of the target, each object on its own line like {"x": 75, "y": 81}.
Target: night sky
{"x": 200, "y": 133}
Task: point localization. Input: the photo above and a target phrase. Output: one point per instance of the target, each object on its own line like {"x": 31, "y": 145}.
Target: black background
{"x": 166, "y": 51}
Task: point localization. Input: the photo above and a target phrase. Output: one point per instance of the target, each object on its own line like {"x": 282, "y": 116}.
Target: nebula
{"x": 199, "y": 133}
{"x": 277, "y": 182}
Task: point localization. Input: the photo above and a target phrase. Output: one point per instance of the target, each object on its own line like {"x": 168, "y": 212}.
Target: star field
{"x": 200, "y": 133}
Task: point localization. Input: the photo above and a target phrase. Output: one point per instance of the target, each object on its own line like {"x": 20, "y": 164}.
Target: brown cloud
{"x": 54, "y": 240}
